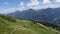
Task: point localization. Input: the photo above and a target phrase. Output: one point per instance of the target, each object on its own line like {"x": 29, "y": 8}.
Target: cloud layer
{"x": 36, "y": 4}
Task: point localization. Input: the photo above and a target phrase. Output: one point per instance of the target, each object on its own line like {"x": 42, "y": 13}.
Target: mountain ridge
{"x": 44, "y": 15}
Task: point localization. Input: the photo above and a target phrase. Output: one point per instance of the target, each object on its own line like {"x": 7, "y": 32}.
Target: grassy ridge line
{"x": 25, "y": 22}
{"x": 49, "y": 28}
{"x": 37, "y": 28}
{"x": 16, "y": 28}
{"x": 23, "y": 27}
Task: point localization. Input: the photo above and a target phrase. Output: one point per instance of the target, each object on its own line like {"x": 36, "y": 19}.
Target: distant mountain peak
{"x": 44, "y": 15}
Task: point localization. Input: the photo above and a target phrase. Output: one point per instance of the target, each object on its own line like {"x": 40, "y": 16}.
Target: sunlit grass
{"x": 22, "y": 27}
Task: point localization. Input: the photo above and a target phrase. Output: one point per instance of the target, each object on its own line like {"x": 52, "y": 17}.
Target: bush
{"x": 11, "y": 19}
{"x": 1, "y": 21}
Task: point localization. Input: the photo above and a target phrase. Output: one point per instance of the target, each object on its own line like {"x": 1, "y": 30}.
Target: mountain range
{"x": 49, "y": 15}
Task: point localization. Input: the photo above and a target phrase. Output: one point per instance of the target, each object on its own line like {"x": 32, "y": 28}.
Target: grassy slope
{"x": 22, "y": 27}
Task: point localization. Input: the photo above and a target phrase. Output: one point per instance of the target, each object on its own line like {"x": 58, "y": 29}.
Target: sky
{"x": 8, "y": 6}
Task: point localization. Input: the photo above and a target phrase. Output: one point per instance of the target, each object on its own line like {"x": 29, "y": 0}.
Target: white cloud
{"x": 36, "y": 4}
{"x": 50, "y": 4}
{"x": 33, "y": 3}
{"x": 21, "y": 8}
{"x": 9, "y": 10}
{"x": 5, "y": 3}
{"x": 21, "y": 4}
{"x": 46, "y": 1}
{"x": 57, "y": 1}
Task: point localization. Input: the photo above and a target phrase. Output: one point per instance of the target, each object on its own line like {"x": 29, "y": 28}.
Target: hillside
{"x": 10, "y": 25}
{"x": 49, "y": 15}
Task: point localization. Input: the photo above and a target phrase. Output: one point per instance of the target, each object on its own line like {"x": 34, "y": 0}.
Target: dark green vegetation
{"x": 10, "y": 25}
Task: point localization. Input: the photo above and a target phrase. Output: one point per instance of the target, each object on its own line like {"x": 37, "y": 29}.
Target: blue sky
{"x": 7, "y": 6}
